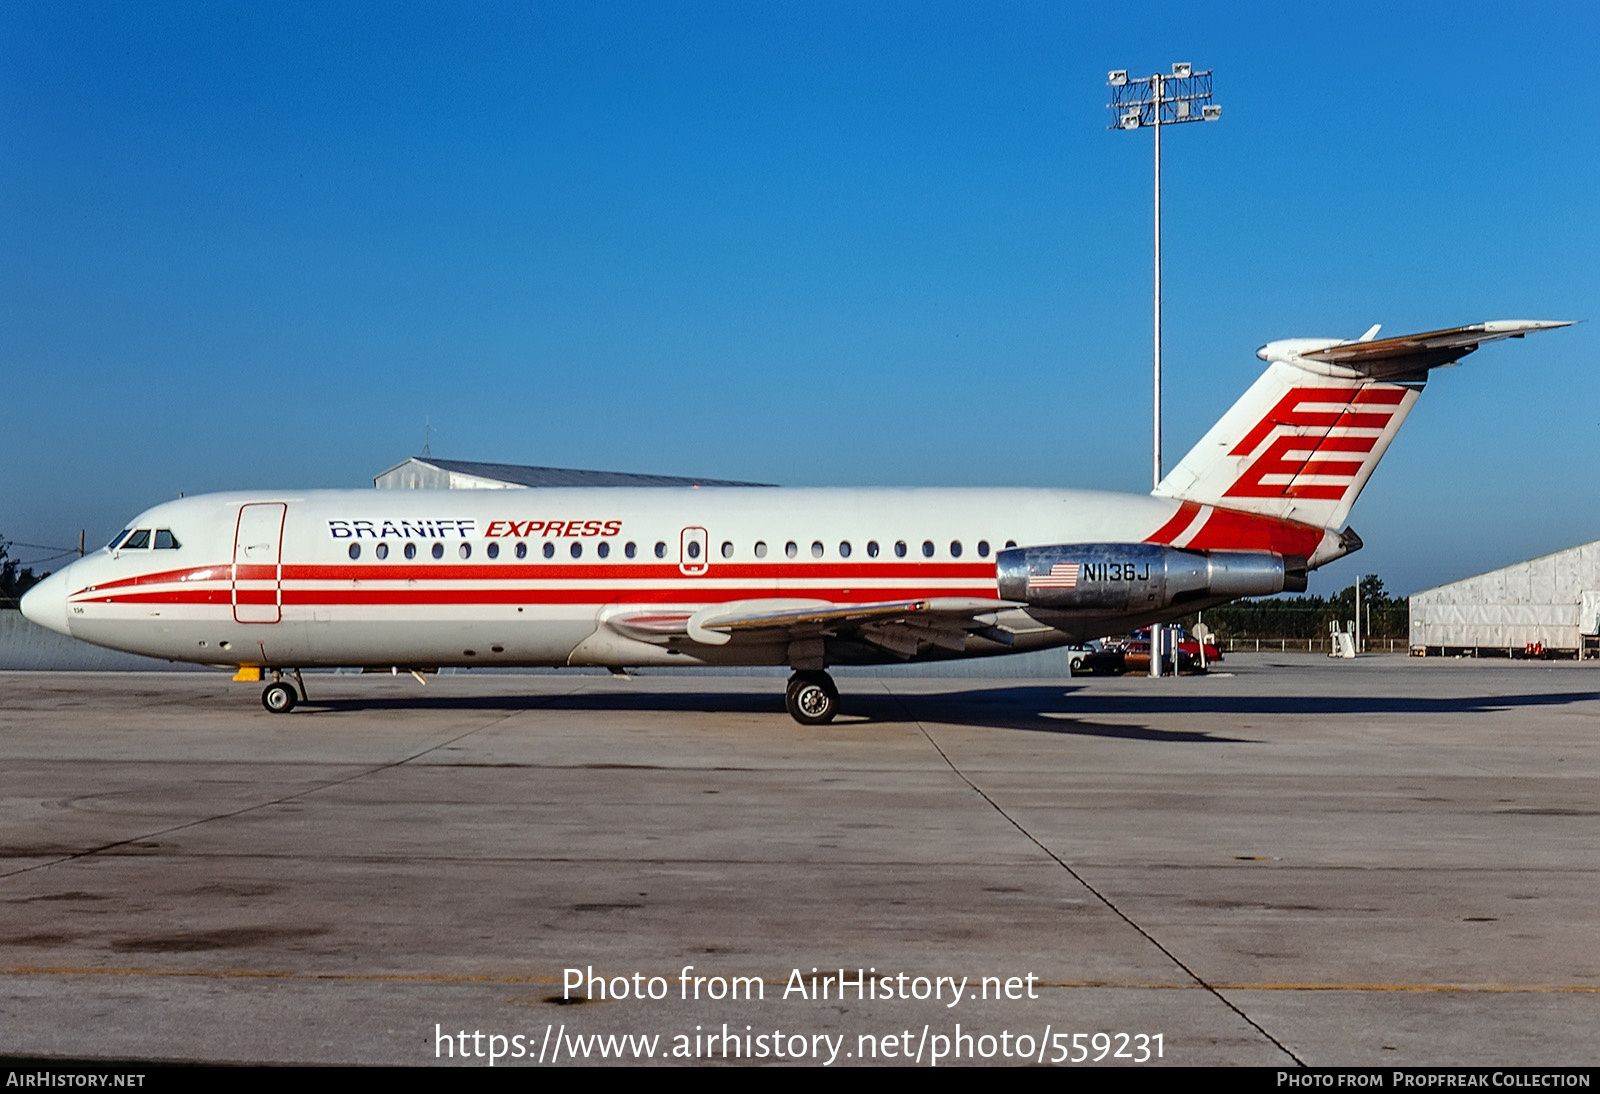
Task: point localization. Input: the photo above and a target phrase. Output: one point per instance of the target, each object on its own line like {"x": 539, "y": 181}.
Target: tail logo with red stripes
{"x": 1311, "y": 428}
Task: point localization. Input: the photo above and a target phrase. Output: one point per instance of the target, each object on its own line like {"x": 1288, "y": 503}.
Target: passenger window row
{"x": 631, "y": 550}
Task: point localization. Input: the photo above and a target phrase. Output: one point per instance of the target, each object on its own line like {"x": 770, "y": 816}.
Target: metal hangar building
{"x": 1547, "y": 606}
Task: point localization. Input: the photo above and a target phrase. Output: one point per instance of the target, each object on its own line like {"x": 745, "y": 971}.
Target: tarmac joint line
{"x": 1096, "y": 893}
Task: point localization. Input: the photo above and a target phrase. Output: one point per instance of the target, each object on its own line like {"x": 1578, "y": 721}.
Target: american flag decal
{"x": 1063, "y": 575}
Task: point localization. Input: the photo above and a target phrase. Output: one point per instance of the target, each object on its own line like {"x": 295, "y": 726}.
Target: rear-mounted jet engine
{"x": 1139, "y": 577}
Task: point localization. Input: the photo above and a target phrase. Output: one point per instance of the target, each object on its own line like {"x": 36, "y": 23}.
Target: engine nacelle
{"x": 1137, "y": 577}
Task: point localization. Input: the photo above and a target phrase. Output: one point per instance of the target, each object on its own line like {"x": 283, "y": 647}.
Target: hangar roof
{"x": 427, "y": 472}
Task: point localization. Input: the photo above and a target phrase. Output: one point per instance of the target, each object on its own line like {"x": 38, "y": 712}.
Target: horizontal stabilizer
{"x": 1403, "y": 357}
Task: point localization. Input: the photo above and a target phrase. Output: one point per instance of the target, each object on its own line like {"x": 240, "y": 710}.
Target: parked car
{"x": 1110, "y": 661}
{"x": 1078, "y": 651}
{"x": 1132, "y": 654}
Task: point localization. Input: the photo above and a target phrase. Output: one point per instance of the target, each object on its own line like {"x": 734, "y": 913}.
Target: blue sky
{"x": 254, "y": 246}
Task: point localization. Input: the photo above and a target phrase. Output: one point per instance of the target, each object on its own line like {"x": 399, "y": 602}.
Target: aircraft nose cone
{"x": 46, "y": 603}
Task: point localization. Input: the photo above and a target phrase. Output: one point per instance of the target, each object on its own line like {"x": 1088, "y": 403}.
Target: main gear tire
{"x": 811, "y": 698}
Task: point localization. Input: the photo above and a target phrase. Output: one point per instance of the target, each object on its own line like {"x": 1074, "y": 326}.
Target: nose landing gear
{"x": 812, "y": 698}
{"x": 279, "y": 697}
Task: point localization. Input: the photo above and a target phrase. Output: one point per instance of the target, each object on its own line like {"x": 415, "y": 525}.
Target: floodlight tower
{"x": 1182, "y": 96}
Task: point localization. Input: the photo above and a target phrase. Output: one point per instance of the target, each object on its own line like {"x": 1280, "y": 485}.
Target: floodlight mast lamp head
{"x": 1182, "y": 96}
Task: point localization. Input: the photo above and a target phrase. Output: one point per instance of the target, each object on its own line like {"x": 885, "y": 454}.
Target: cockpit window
{"x": 138, "y": 541}
{"x": 166, "y": 541}
{"x": 117, "y": 539}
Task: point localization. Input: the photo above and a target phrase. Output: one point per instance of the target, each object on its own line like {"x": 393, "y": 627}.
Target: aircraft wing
{"x": 1384, "y": 358}
{"x": 902, "y": 627}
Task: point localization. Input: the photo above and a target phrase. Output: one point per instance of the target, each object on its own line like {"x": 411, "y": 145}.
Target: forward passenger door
{"x": 258, "y": 563}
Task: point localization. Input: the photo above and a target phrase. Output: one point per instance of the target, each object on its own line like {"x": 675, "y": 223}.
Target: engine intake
{"x": 1135, "y": 577}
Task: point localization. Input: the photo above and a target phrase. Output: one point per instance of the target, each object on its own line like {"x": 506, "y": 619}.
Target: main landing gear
{"x": 279, "y": 697}
{"x": 811, "y": 698}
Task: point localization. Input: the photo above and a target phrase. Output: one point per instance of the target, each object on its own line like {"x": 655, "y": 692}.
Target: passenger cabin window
{"x": 899, "y": 548}
{"x": 493, "y": 550}
{"x": 438, "y": 550}
{"x": 816, "y": 549}
{"x": 411, "y": 550}
{"x": 549, "y": 549}
{"x": 983, "y": 548}
{"x": 138, "y": 541}
{"x": 577, "y": 550}
{"x": 355, "y": 550}
{"x": 465, "y": 550}
{"x": 790, "y": 549}
{"x": 522, "y": 550}
{"x": 872, "y": 548}
{"x": 631, "y": 549}
{"x": 761, "y": 549}
{"x": 955, "y": 548}
{"x": 727, "y": 550}
{"x": 382, "y": 550}
{"x": 603, "y": 549}
{"x": 844, "y": 549}
{"x": 166, "y": 541}
{"x": 661, "y": 549}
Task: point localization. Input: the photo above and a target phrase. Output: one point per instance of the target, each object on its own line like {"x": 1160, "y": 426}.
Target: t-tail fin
{"x": 1302, "y": 442}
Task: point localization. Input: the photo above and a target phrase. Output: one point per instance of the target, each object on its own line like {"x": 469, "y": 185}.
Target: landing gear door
{"x": 258, "y": 563}
{"x": 692, "y": 557}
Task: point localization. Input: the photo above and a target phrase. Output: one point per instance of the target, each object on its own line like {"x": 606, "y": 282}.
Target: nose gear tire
{"x": 278, "y": 698}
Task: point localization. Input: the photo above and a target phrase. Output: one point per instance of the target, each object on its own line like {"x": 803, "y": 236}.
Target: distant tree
{"x": 1309, "y": 616}
{"x": 14, "y": 581}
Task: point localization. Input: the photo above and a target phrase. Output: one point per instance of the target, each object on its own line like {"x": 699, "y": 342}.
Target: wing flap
{"x": 820, "y": 616}
{"x": 902, "y": 627}
{"x": 748, "y": 615}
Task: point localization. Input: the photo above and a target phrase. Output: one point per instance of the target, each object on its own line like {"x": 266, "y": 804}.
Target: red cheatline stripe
{"x": 687, "y": 594}
{"x": 1180, "y": 520}
{"x": 552, "y": 570}
{"x": 223, "y": 572}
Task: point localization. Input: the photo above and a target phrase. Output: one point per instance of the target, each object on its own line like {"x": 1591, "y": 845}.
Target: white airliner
{"x": 269, "y": 583}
